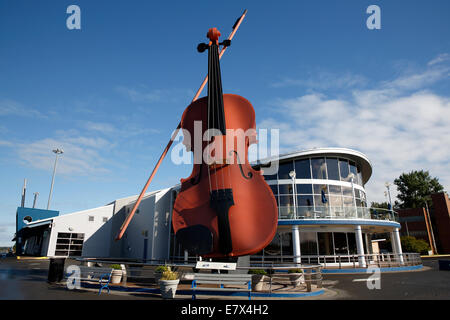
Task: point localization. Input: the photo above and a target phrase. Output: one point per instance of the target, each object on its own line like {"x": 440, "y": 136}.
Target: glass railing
{"x": 326, "y": 212}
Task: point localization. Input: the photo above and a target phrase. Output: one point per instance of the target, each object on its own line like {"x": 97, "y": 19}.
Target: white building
{"x": 323, "y": 216}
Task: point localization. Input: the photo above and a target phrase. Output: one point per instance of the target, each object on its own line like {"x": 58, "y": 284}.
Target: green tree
{"x": 415, "y": 187}
{"x": 380, "y": 205}
{"x": 411, "y": 244}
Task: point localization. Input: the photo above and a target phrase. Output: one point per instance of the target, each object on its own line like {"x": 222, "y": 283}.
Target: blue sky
{"x": 111, "y": 93}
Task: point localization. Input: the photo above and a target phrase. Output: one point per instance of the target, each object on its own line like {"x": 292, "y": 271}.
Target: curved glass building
{"x": 323, "y": 212}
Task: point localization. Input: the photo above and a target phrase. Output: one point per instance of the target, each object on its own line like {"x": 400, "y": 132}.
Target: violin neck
{"x": 216, "y": 114}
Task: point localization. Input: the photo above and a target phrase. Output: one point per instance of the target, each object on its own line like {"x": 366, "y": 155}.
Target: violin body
{"x": 224, "y": 208}
{"x": 253, "y": 217}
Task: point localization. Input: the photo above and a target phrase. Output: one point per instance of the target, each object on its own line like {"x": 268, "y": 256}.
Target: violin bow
{"x": 127, "y": 221}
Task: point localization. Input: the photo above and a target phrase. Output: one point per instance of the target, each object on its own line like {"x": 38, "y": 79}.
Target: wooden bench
{"x": 240, "y": 282}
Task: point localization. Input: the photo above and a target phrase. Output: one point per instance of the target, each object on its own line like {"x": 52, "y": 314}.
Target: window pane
{"x": 348, "y": 202}
{"x": 304, "y": 188}
{"x": 319, "y": 187}
{"x": 344, "y": 170}
{"x": 318, "y": 201}
{"x": 340, "y": 243}
{"x": 304, "y": 201}
{"x": 285, "y": 168}
{"x": 285, "y": 188}
{"x": 334, "y": 189}
{"x": 318, "y": 168}
{"x": 270, "y": 177}
{"x": 308, "y": 243}
{"x": 274, "y": 247}
{"x": 352, "y": 243}
{"x": 347, "y": 191}
{"x": 286, "y": 201}
{"x": 325, "y": 243}
{"x": 302, "y": 169}
{"x": 357, "y": 195}
{"x": 335, "y": 201}
{"x": 332, "y": 169}
{"x": 274, "y": 188}
{"x": 354, "y": 171}
{"x": 360, "y": 181}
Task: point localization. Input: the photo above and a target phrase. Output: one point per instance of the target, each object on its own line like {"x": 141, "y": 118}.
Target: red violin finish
{"x": 224, "y": 208}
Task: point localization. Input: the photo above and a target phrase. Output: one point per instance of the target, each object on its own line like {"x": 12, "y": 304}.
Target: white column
{"x": 360, "y": 247}
{"x": 296, "y": 243}
{"x": 398, "y": 245}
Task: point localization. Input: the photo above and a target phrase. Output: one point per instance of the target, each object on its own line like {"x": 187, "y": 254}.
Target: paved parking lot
{"x": 27, "y": 279}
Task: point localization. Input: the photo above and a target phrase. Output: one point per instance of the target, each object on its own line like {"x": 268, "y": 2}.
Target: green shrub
{"x": 295, "y": 271}
{"x": 411, "y": 244}
{"x": 115, "y": 267}
{"x": 169, "y": 275}
{"x": 257, "y": 271}
{"x": 161, "y": 269}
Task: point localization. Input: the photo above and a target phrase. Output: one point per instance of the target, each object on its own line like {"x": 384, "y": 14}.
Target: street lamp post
{"x": 292, "y": 175}
{"x": 387, "y": 184}
{"x": 57, "y": 152}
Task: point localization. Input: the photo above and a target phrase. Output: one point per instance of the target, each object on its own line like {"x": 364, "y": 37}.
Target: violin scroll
{"x": 213, "y": 35}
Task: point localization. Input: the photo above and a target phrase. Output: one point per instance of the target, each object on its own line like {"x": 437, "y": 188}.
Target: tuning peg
{"x": 202, "y": 47}
{"x": 226, "y": 43}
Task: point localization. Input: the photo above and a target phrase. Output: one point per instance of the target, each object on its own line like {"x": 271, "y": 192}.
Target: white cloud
{"x": 82, "y": 155}
{"x": 398, "y": 129}
{"x": 12, "y": 107}
{"x": 323, "y": 80}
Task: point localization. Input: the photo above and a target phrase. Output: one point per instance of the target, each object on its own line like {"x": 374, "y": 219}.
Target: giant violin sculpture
{"x": 224, "y": 208}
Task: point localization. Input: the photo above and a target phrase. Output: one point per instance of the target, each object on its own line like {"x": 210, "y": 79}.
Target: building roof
{"x": 356, "y": 156}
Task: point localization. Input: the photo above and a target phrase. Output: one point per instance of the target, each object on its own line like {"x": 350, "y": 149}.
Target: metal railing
{"x": 327, "y": 212}
{"x": 342, "y": 261}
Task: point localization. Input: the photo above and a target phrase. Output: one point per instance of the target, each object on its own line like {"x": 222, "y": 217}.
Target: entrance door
{"x": 144, "y": 256}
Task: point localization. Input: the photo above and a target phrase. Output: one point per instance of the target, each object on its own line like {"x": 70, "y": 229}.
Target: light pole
{"x": 57, "y": 152}
{"x": 352, "y": 177}
{"x": 292, "y": 175}
{"x": 387, "y": 184}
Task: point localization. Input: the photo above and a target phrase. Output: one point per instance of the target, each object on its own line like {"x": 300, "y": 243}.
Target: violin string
{"x": 208, "y": 116}
{"x": 220, "y": 113}
{"x": 214, "y": 103}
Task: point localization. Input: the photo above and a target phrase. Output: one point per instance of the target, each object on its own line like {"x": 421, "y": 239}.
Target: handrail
{"x": 331, "y": 212}
{"x": 341, "y": 261}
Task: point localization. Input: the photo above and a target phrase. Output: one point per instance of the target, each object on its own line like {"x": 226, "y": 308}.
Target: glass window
{"x": 274, "y": 188}
{"x": 333, "y": 169}
{"x": 335, "y": 201}
{"x": 302, "y": 169}
{"x": 347, "y": 191}
{"x": 304, "y": 188}
{"x": 308, "y": 243}
{"x": 352, "y": 243}
{"x": 269, "y": 176}
{"x": 357, "y": 195}
{"x": 348, "y": 201}
{"x": 358, "y": 202}
{"x": 344, "y": 170}
{"x": 286, "y": 201}
{"x": 319, "y": 202}
{"x": 325, "y": 243}
{"x": 285, "y": 188}
{"x": 318, "y": 166}
{"x": 354, "y": 171}
{"x": 286, "y": 242}
{"x": 285, "y": 168}
{"x": 305, "y": 201}
{"x": 360, "y": 181}
{"x": 274, "y": 247}
{"x": 334, "y": 189}
{"x": 340, "y": 243}
{"x": 319, "y": 187}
